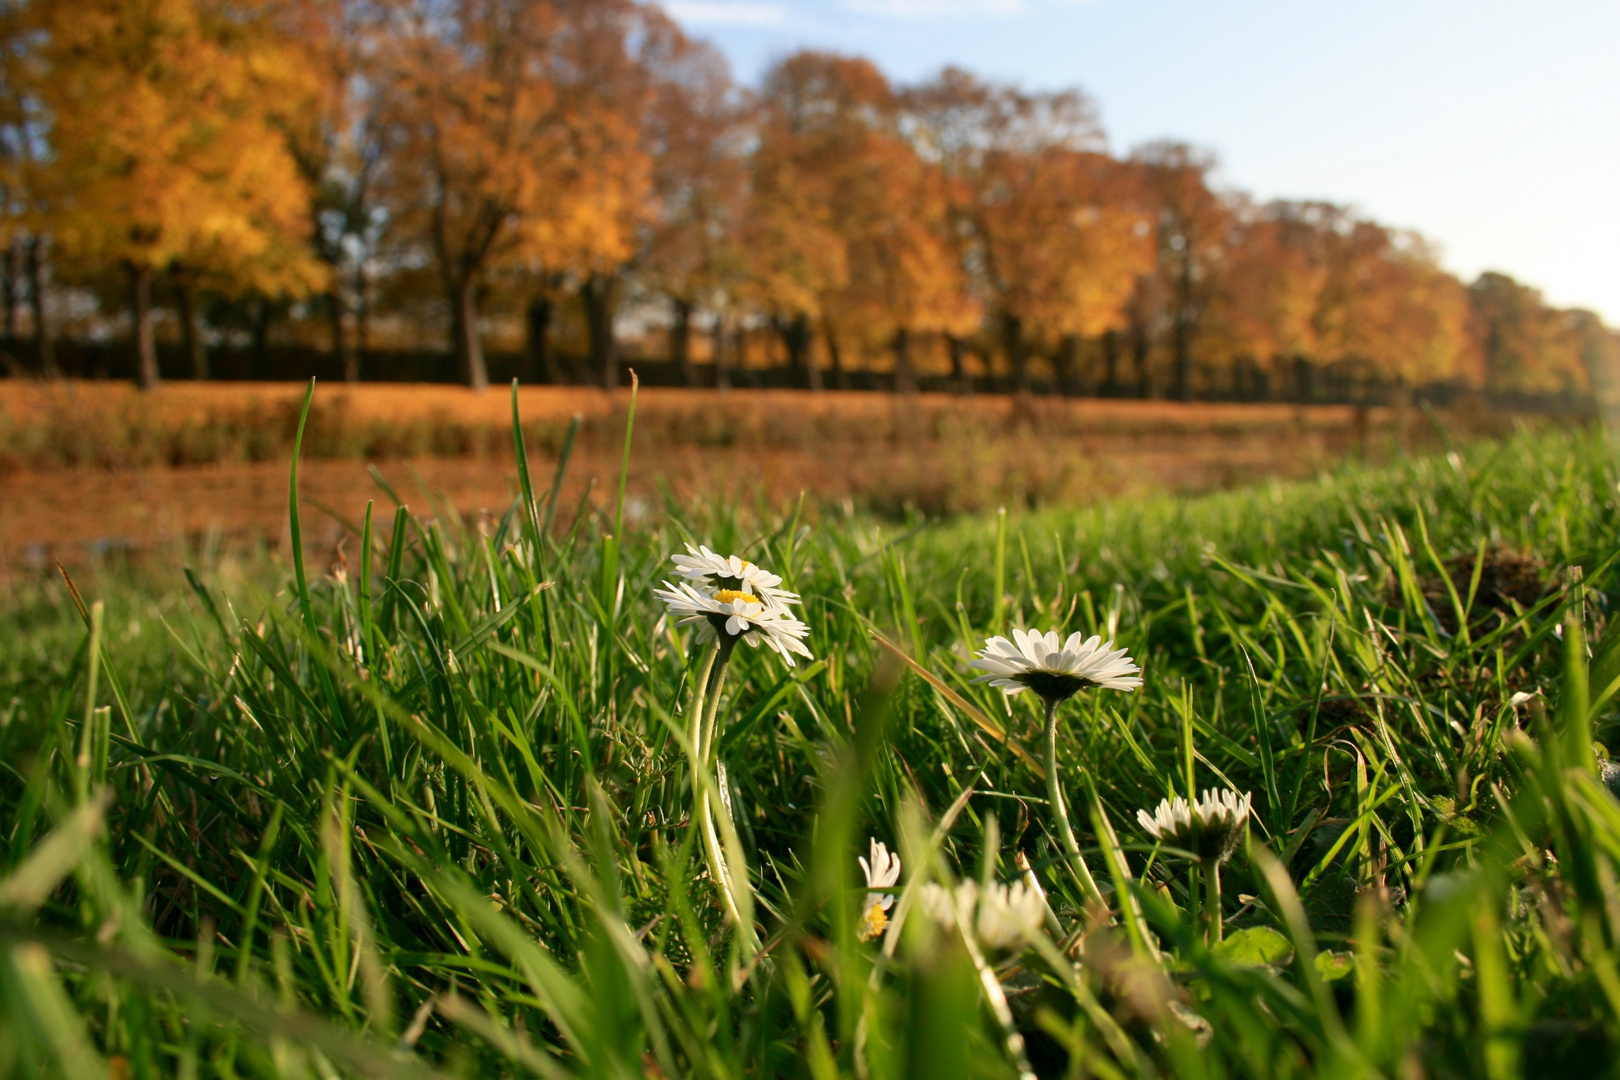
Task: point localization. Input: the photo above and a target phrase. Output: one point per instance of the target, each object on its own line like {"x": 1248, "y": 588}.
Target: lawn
{"x": 449, "y": 809}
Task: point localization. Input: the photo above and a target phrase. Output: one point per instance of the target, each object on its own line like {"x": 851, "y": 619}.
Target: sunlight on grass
{"x": 441, "y": 811}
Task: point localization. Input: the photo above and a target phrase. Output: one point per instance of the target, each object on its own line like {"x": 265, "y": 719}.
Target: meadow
{"x": 448, "y": 807}
{"x": 88, "y": 467}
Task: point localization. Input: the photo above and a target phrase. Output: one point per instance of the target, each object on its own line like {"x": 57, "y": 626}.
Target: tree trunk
{"x": 597, "y": 295}
{"x": 44, "y": 352}
{"x": 362, "y": 312}
{"x": 1111, "y": 363}
{"x": 191, "y": 335}
{"x": 10, "y": 294}
{"x": 537, "y": 322}
{"x": 146, "y": 361}
{"x": 1139, "y": 356}
{"x": 812, "y": 363}
{"x": 342, "y": 345}
{"x": 1068, "y": 366}
{"x": 468, "y": 345}
{"x": 807, "y": 353}
{"x": 961, "y": 377}
{"x": 680, "y": 340}
{"x": 905, "y": 379}
{"x": 798, "y": 339}
{"x": 1183, "y": 351}
{"x": 739, "y": 352}
{"x": 261, "y": 339}
{"x": 1183, "y": 364}
{"x": 1184, "y": 325}
{"x": 835, "y": 356}
{"x": 722, "y": 373}
{"x": 1012, "y": 340}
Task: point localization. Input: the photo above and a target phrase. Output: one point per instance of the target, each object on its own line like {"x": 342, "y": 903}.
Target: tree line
{"x": 348, "y": 170}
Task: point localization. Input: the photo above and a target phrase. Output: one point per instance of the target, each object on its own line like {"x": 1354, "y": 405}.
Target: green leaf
{"x": 1256, "y": 946}
{"x": 1332, "y": 965}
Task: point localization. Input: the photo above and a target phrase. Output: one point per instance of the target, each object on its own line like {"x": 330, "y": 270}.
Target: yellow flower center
{"x": 873, "y": 922}
{"x": 726, "y": 596}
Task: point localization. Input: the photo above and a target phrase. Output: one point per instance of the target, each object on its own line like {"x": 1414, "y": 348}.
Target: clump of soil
{"x": 1509, "y": 581}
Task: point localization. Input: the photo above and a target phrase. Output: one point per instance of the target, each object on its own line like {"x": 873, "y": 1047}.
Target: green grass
{"x": 432, "y": 817}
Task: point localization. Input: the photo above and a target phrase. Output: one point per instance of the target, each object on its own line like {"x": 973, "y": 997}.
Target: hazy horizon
{"x": 1490, "y": 128}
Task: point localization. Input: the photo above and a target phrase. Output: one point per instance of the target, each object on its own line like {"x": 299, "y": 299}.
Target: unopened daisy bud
{"x": 1055, "y": 669}
{"x": 881, "y": 873}
{"x": 1210, "y": 828}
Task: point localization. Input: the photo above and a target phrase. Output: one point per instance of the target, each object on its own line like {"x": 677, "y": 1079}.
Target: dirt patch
{"x": 1509, "y": 582}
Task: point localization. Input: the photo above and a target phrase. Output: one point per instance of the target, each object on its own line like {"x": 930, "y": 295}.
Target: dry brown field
{"x": 88, "y": 467}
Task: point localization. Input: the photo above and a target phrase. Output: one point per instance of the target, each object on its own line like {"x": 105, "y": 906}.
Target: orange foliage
{"x": 517, "y": 141}
{"x": 502, "y": 153}
{"x": 166, "y": 145}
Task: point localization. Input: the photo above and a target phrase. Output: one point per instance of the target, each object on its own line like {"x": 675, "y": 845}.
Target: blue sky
{"x": 1493, "y": 128}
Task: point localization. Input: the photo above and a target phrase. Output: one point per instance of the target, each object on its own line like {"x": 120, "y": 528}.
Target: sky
{"x": 1492, "y": 128}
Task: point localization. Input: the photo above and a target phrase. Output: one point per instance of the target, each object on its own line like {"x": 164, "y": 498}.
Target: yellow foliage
{"x": 166, "y": 144}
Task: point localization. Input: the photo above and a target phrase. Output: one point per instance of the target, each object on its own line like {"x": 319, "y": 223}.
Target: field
{"x": 88, "y": 468}
{"x": 446, "y": 807}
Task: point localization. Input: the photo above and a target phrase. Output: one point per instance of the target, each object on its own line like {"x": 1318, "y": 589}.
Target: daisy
{"x": 1002, "y": 918}
{"x": 881, "y": 873}
{"x": 704, "y": 567}
{"x": 1057, "y": 670}
{"x": 1210, "y": 828}
{"x": 1054, "y": 669}
{"x": 737, "y": 614}
{"x": 998, "y": 919}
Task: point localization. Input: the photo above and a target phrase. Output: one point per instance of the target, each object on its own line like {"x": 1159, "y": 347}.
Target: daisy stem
{"x": 1060, "y": 816}
{"x": 704, "y": 723}
{"x": 723, "y": 646}
{"x": 1213, "y": 913}
{"x": 998, "y": 1006}
{"x": 701, "y": 815}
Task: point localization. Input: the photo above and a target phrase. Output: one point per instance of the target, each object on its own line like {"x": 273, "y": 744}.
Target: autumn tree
{"x": 1048, "y": 224}
{"x": 1192, "y": 224}
{"x": 1260, "y": 314}
{"x": 696, "y": 132}
{"x": 166, "y": 149}
{"x": 672, "y": 102}
{"x": 809, "y": 132}
{"x": 850, "y": 230}
{"x": 1529, "y": 348}
{"x": 1067, "y": 250}
{"x": 24, "y": 192}
{"x": 512, "y": 145}
{"x": 1386, "y": 303}
{"x": 339, "y": 143}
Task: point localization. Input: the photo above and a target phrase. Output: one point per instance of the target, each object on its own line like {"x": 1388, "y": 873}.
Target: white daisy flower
{"x": 1210, "y": 828}
{"x": 1053, "y": 668}
{"x": 738, "y": 614}
{"x": 1001, "y": 917}
{"x": 881, "y": 873}
{"x": 705, "y": 567}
